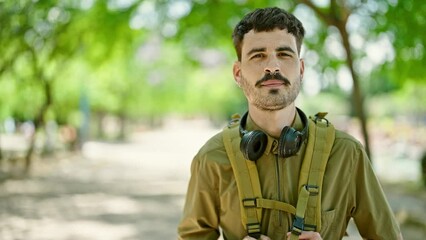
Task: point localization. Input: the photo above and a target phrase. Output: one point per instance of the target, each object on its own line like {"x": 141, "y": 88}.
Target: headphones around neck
{"x": 253, "y": 143}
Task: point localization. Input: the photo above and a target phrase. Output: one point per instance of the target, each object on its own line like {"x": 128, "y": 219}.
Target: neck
{"x": 272, "y": 122}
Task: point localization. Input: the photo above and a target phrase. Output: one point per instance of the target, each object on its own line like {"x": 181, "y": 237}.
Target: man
{"x": 269, "y": 70}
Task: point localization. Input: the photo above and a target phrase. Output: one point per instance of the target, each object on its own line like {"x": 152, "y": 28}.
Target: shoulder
{"x": 213, "y": 151}
{"x": 344, "y": 143}
{"x": 346, "y": 140}
{"x": 347, "y": 149}
{"x": 346, "y": 158}
{"x": 211, "y": 164}
{"x": 215, "y": 143}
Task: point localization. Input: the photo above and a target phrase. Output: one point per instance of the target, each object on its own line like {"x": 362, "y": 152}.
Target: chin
{"x": 270, "y": 108}
{"x": 274, "y": 91}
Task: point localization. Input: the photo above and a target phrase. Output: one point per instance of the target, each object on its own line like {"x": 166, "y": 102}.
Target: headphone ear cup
{"x": 253, "y": 144}
{"x": 289, "y": 142}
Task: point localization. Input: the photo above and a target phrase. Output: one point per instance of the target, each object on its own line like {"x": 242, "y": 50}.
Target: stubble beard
{"x": 273, "y": 100}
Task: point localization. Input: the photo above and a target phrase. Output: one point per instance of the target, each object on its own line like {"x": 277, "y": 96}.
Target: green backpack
{"x": 320, "y": 141}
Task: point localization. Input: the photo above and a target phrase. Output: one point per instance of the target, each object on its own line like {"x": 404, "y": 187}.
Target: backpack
{"x": 321, "y": 136}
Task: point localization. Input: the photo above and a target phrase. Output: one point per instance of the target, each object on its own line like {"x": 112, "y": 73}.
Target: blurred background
{"x": 103, "y": 104}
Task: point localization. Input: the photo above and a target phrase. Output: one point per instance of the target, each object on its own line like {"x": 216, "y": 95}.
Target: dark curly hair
{"x": 267, "y": 19}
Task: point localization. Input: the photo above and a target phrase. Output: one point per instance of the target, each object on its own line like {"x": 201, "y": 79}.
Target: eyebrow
{"x": 278, "y": 49}
{"x": 285, "y": 48}
{"x": 255, "y": 50}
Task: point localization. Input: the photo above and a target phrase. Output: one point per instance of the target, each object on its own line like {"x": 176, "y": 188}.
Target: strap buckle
{"x": 320, "y": 117}
{"x": 312, "y": 189}
{"x": 253, "y": 230}
{"x": 250, "y": 202}
{"x": 298, "y": 225}
{"x": 308, "y": 227}
{"x": 235, "y": 118}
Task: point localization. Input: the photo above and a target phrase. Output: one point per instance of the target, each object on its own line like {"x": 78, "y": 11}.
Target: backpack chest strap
{"x": 277, "y": 205}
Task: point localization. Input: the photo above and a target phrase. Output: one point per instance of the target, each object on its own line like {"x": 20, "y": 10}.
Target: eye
{"x": 258, "y": 55}
{"x": 283, "y": 54}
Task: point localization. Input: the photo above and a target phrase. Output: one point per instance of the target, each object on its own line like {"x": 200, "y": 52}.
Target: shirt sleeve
{"x": 372, "y": 213}
{"x": 200, "y": 216}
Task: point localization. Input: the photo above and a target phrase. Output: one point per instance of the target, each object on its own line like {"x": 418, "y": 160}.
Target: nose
{"x": 272, "y": 71}
{"x": 272, "y": 67}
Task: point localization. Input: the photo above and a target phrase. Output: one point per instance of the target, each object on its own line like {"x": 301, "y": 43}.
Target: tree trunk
{"x": 1, "y": 152}
{"x": 100, "y": 131}
{"x": 29, "y": 153}
{"x": 39, "y": 118}
{"x": 122, "y": 134}
{"x": 38, "y": 122}
{"x": 357, "y": 97}
{"x": 338, "y": 16}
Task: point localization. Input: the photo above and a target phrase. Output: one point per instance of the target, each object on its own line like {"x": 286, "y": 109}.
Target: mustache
{"x": 273, "y": 76}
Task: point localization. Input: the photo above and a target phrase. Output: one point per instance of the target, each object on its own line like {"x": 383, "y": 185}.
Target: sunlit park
{"x": 104, "y": 103}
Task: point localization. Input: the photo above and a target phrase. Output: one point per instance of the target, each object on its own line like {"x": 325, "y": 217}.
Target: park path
{"x": 117, "y": 191}
{"x": 111, "y": 191}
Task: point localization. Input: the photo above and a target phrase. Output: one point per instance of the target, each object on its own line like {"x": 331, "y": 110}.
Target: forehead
{"x": 269, "y": 40}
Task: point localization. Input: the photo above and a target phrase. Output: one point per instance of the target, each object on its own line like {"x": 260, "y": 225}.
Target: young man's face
{"x": 264, "y": 53}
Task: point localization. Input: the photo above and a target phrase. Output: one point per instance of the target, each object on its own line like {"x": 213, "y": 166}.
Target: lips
{"x": 272, "y": 80}
{"x": 272, "y": 83}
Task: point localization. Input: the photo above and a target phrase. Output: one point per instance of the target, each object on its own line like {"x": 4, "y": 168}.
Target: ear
{"x": 302, "y": 68}
{"x": 237, "y": 72}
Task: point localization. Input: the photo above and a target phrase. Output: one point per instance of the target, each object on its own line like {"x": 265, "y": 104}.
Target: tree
{"x": 403, "y": 23}
{"x": 29, "y": 42}
{"x": 376, "y": 24}
{"x": 400, "y": 40}
{"x": 145, "y": 58}
{"x": 40, "y": 39}
{"x": 337, "y": 15}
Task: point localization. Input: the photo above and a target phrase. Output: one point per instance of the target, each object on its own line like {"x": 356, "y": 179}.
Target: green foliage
{"x": 405, "y": 22}
{"x": 210, "y": 23}
{"x": 149, "y": 58}
{"x": 406, "y": 101}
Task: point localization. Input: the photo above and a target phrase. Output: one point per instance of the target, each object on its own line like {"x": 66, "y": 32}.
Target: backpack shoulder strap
{"x": 247, "y": 180}
{"x": 320, "y": 142}
{"x": 248, "y": 184}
